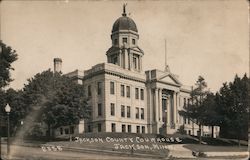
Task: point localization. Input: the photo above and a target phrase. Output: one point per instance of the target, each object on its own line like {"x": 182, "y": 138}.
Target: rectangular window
{"x": 112, "y": 87}
{"x": 142, "y": 94}
{"x": 99, "y": 109}
{"x": 113, "y": 128}
{"x": 135, "y": 62}
{"x": 122, "y": 90}
{"x": 71, "y": 129}
{"x": 99, "y": 126}
{"x": 137, "y": 113}
{"x": 128, "y": 111}
{"x": 89, "y": 90}
{"x": 129, "y": 128}
{"x": 133, "y": 41}
{"x": 122, "y": 111}
{"x": 143, "y": 129}
{"x": 61, "y": 131}
{"x": 112, "y": 109}
{"x": 128, "y": 91}
{"x": 99, "y": 88}
{"x": 137, "y": 129}
{"x": 142, "y": 113}
{"x": 66, "y": 131}
{"x": 136, "y": 93}
{"x": 124, "y": 40}
{"x": 89, "y": 128}
{"x": 123, "y": 128}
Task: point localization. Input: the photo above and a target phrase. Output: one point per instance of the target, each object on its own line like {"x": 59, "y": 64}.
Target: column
{"x": 140, "y": 62}
{"x": 177, "y": 107}
{"x": 156, "y": 105}
{"x": 174, "y": 107}
{"x": 126, "y": 58}
{"x": 150, "y": 111}
{"x": 120, "y": 59}
{"x": 131, "y": 61}
{"x": 160, "y": 105}
{"x": 168, "y": 110}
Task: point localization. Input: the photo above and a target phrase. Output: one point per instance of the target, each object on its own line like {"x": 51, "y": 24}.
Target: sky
{"x": 208, "y": 37}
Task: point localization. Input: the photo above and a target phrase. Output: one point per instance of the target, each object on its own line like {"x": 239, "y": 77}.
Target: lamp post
{"x": 0, "y": 137}
{"x": 7, "y": 110}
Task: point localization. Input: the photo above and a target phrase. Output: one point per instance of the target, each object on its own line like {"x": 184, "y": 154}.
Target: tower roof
{"x": 124, "y": 23}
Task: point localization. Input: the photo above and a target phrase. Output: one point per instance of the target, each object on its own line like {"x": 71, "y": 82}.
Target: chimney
{"x": 57, "y": 65}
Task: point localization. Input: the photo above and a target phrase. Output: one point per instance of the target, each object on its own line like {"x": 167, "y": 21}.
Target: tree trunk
{"x": 199, "y": 133}
{"x": 212, "y": 135}
{"x": 239, "y": 133}
{"x": 48, "y": 134}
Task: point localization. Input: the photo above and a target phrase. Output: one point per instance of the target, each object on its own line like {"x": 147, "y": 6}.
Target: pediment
{"x": 137, "y": 49}
{"x": 169, "y": 78}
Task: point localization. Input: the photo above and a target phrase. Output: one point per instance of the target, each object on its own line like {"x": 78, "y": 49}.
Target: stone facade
{"x": 126, "y": 99}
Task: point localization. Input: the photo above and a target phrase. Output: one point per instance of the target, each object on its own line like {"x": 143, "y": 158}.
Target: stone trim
{"x": 121, "y": 75}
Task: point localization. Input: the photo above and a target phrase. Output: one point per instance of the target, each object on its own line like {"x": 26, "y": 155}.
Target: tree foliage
{"x": 228, "y": 108}
{"x": 233, "y": 99}
{"x": 195, "y": 109}
{"x": 50, "y": 98}
{"x": 7, "y": 57}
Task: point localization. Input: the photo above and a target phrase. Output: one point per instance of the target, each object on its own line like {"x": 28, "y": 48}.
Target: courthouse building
{"x": 124, "y": 98}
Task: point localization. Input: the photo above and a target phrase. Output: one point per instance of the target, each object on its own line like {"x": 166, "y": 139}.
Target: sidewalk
{"x": 175, "y": 151}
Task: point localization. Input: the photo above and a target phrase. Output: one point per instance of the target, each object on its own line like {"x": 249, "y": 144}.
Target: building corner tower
{"x": 125, "y": 51}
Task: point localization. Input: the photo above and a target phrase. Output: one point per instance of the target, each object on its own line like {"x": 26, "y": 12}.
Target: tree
{"x": 195, "y": 109}
{"x": 55, "y": 100}
{"x": 18, "y": 109}
{"x": 233, "y": 99}
{"x": 7, "y": 57}
{"x": 211, "y": 117}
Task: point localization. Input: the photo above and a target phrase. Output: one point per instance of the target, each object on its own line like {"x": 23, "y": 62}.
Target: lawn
{"x": 210, "y": 148}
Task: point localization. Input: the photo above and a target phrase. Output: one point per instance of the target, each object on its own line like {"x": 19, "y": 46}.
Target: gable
{"x": 169, "y": 79}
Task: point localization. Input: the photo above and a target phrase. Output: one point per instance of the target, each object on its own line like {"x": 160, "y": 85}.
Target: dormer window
{"x": 133, "y": 41}
{"x": 124, "y": 40}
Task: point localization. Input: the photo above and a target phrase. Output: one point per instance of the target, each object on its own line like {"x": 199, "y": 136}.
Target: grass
{"x": 210, "y": 148}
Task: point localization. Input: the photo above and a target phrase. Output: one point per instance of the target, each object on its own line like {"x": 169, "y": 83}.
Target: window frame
{"x": 99, "y": 109}
{"x": 137, "y": 113}
{"x": 142, "y": 94}
{"x": 124, "y": 40}
{"x": 123, "y": 128}
{"x": 136, "y": 93}
{"x": 128, "y": 112}
{"x": 122, "y": 110}
{"x": 112, "y": 87}
{"x": 122, "y": 90}
{"x": 142, "y": 113}
{"x": 113, "y": 127}
{"x": 99, "y": 88}
{"x": 133, "y": 41}
{"x": 128, "y": 91}
{"x": 112, "y": 109}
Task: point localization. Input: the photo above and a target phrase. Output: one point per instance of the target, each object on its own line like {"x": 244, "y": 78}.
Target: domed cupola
{"x": 124, "y": 23}
{"x": 125, "y": 51}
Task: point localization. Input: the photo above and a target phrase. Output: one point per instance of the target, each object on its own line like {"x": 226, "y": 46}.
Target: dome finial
{"x": 124, "y": 10}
